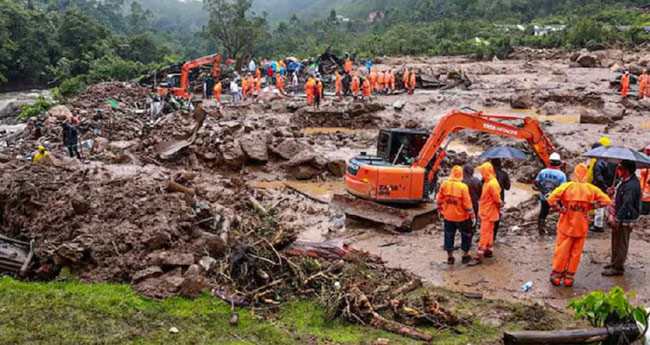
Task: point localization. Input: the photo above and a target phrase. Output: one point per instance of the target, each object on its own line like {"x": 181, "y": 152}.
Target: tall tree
{"x": 230, "y": 26}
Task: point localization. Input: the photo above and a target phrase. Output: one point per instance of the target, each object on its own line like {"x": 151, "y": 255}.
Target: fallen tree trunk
{"x": 579, "y": 336}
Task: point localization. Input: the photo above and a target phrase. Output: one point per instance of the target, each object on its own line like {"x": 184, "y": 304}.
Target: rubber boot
{"x": 541, "y": 227}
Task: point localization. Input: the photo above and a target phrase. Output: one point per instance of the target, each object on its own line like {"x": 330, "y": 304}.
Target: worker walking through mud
{"x": 488, "y": 212}
{"x": 643, "y": 83}
{"x": 355, "y": 84}
{"x": 455, "y": 206}
{"x": 625, "y": 84}
{"x": 217, "y": 91}
{"x": 42, "y": 153}
{"x": 573, "y": 200}
{"x": 547, "y": 181}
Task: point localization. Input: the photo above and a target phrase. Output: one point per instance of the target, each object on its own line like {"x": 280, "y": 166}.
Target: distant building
{"x": 342, "y": 18}
{"x": 541, "y": 30}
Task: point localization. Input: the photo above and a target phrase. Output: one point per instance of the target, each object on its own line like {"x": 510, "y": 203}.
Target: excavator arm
{"x": 431, "y": 155}
{"x": 206, "y": 60}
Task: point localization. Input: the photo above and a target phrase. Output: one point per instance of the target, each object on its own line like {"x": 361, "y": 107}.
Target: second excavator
{"x": 396, "y": 186}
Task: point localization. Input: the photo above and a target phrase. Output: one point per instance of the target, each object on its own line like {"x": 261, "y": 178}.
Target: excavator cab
{"x": 395, "y": 187}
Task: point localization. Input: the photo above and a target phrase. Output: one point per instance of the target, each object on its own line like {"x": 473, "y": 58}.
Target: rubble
{"x": 588, "y": 60}
{"x": 521, "y": 101}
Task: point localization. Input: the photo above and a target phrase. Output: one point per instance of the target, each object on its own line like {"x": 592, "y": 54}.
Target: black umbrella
{"x": 503, "y": 152}
{"x": 617, "y": 154}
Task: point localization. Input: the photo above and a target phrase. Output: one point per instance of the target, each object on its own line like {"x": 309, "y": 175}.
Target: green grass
{"x": 74, "y": 312}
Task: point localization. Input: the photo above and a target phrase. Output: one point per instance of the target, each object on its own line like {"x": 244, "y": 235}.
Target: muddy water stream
{"x": 557, "y": 118}
{"x": 8, "y": 97}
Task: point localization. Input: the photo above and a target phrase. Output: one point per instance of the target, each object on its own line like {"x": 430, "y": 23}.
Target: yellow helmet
{"x": 605, "y": 141}
{"x": 41, "y": 148}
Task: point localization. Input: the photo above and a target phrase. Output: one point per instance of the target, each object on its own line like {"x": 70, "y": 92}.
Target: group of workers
{"x": 643, "y": 81}
{"x": 346, "y": 82}
{"x": 464, "y": 202}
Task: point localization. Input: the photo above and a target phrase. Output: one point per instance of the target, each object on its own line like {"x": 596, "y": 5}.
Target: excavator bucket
{"x": 406, "y": 218}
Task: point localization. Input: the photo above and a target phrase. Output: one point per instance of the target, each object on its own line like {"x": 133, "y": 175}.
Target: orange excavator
{"x": 394, "y": 187}
{"x": 179, "y": 84}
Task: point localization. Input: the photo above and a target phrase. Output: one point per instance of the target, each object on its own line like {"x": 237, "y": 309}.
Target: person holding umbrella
{"x": 627, "y": 212}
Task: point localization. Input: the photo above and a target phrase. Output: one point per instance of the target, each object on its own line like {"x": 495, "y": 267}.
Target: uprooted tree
{"x": 230, "y": 27}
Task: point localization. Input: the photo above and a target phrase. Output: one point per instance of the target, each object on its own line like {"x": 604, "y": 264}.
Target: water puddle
{"x": 329, "y": 130}
{"x": 559, "y": 118}
{"x": 519, "y": 193}
{"x": 322, "y": 191}
{"x": 459, "y": 146}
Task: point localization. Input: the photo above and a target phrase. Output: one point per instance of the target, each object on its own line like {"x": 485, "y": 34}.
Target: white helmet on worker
{"x": 555, "y": 159}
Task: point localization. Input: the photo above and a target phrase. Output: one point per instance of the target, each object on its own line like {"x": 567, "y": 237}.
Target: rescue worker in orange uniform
{"x": 373, "y": 79}
{"x": 573, "y": 200}
{"x": 217, "y": 91}
{"x": 279, "y": 82}
{"x": 309, "y": 90}
{"x": 643, "y": 83}
{"x": 244, "y": 87}
{"x": 645, "y": 187}
{"x": 380, "y": 82}
{"x": 455, "y": 206}
{"x": 348, "y": 66}
{"x": 405, "y": 78}
{"x": 367, "y": 89}
{"x": 392, "y": 81}
{"x": 386, "y": 81}
{"x": 625, "y": 84}
{"x": 258, "y": 85}
{"x": 338, "y": 84}
{"x": 354, "y": 85}
{"x": 258, "y": 73}
{"x": 488, "y": 211}
{"x": 412, "y": 80}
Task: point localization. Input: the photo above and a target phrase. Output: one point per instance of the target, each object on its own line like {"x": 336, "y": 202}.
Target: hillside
{"x": 305, "y": 9}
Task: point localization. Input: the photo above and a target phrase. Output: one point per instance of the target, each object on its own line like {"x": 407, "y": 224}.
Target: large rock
{"x": 337, "y": 167}
{"x": 304, "y": 172}
{"x": 551, "y": 108}
{"x": 645, "y": 60}
{"x": 588, "y": 60}
{"x": 61, "y": 112}
{"x": 611, "y": 112}
{"x": 255, "y": 145}
{"x": 232, "y": 154}
{"x": 149, "y": 272}
{"x": 521, "y": 101}
{"x": 308, "y": 157}
{"x": 399, "y": 104}
{"x": 288, "y": 148}
{"x": 617, "y": 68}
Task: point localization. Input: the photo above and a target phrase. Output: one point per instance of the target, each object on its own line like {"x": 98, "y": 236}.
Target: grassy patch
{"x": 73, "y": 312}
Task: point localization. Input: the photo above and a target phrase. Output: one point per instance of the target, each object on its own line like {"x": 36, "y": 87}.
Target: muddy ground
{"x": 111, "y": 217}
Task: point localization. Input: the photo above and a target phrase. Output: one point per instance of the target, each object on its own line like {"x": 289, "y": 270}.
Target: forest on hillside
{"x": 70, "y": 43}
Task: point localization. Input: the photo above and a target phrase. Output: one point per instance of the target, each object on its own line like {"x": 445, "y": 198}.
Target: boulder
{"x": 293, "y": 106}
{"x": 588, "y": 60}
{"x": 551, "y": 108}
{"x": 61, "y": 113}
{"x": 232, "y": 154}
{"x": 337, "y": 167}
{"x": 304, "y": 157}
{"x": 521, "y": 101}
{"x": 304, "y": 172}
{"x": 617, "y": 68}
{"x": 612, "y": 112}
{"x": 255, "y": 145}
{"x": 645, "y": 60}
{"x": 288, "y": 148}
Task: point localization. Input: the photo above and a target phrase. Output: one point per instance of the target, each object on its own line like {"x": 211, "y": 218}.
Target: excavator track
{"x": 405, "y": 219}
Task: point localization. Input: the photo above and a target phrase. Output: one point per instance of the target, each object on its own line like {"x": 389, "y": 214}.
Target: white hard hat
{"x": 556, "y": 157}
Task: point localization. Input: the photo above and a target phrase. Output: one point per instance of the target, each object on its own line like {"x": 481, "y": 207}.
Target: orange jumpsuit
{"x": 337, "y": 83}
{"x": 392, "y": 81}
{"x": 625, "y": 85}
{"x": 373, "y": 79}
{"x": 454, "y": 202}
{"x": 643, "y": 84}
{"x": 355, "y": 86}
{"x": 645, "y": 185}
{"x": 412, "y": 81}
{"x": 348, "y": 66}
{"x": 573, "y": 200}
{"x": 488, "y": 209}
{"x": 309, "y": 90}
{"x": 244, "y": 87}
{"x": 379, "y": 87}
{"x": 279, "y": 83}
{"x": 367, "y": 89}
{"x": 405, "y": 79}
{"x": 217, "y": 91}
{"x": 258, "y": 84}
{"x": 386, "y": 81}
{"x": 258, "y": 73}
